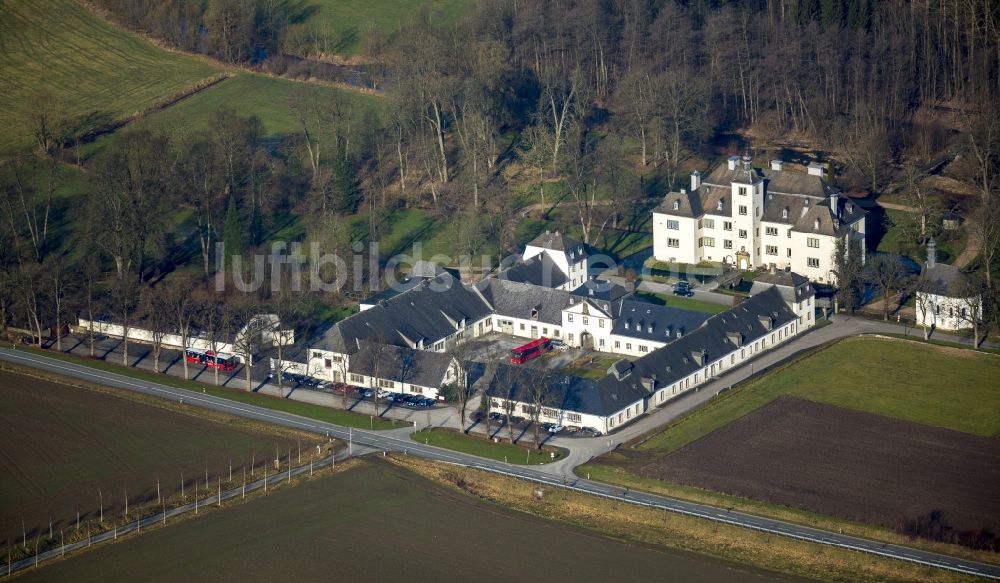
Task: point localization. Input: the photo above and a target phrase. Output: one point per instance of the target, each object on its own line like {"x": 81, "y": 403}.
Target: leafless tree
{"x": 986, "y": 234}
{"x": 156, "y": 317}
{"x": 537, "y": 388}
{"x": 970, "y": 292}
{"x": 922, "y": 289}
{"x": 125, "y": 295}
{"x": 888, "y": 274}
{"x": 182, "y": 308}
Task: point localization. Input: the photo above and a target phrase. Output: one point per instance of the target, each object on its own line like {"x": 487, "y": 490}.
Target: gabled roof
{"x": 713, "y": 339}
{"x": 943, "y": 278}
{"x": 788, "y": 182}
{"x": 525, "y": 301}
{"x": 425, "y": 313}
{"x": 792, "y": 286}
{"x": 538, "y": 270}
{"x": 818, "y": 219}
{"x": 555, "y": 241}
{"x": 723, "y": 176}
{"x": 407, "y": 365}
{"x": 688, "y": 204}
{"x": 600, "y": 290}
{"x": 646, "y": 321}
{"x": 569, "y": 393}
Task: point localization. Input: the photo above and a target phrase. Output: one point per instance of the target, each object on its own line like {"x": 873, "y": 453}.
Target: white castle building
{"x": 750, "y": 219}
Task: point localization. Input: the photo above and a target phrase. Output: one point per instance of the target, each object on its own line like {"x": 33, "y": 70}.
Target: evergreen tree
{"x": 342, "y": 191}
{"x": 232, "y": 233}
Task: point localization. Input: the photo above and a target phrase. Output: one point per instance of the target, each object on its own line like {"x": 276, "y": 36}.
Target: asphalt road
{"x": 397, "y": 441}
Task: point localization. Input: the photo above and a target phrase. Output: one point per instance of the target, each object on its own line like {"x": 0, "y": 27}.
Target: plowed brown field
{"x": 846, "y": 463}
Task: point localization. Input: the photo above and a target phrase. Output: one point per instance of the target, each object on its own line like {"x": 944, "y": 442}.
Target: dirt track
{"x": 846, "y": 463}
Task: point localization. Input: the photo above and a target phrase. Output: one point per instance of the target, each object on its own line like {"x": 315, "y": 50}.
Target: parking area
{"x": 484, "y": 347}
{"x": 500, "y": 425}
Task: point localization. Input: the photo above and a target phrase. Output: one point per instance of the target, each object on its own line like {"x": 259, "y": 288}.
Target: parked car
{"x": 477, "y": 416}
{"x": 365, "y": 393}
{"x": 498, "y": 418}
{"x": 399, "y": 398}
{"x": 572, "y": 429}
{"x": 559, "y": 344}
{"x": 684, "y": 292}
{"x": 590, "y": 432}
{"x": 516, "y": 420}
{"x": 547, "y": 426}
{"x": 426, "y": 402}
{"x": 556, "y": 429}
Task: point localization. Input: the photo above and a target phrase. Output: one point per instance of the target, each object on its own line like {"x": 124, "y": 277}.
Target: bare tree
{"x": 182, "y": 308}
{"x": 155, "y": 316}
{"x": 125, "y": 295}
{"x": 888, "y": 274}
{"x": 58, "y": 278}
{"x": 462, "y": 388}
{"x": 923, "y": 288}
{"x": 537, "y": 388}
{"x": 969, "y": 292}
{"x": 986, "y": 234}
{"x": 90, "y": 273}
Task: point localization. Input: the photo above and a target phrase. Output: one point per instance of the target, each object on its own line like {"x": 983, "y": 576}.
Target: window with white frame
{"x": 643, "y": 348}
{"x": 569, "y": 317}
{"x": 356, "y": 378}
{"x": 770, "y": 249}
{"x": 586, "y": 320}
{"x": 710, "y": 241}
{"x": 549, "y": 412}
{"x": 812, "y": 262}
{"x": 674, "y": 225}
{"x": 743, "y": 233}
{"x": 789, "y": 251}
{"x": 574, "y": 417}
{"x": 673, "y": 242}
{"x": 812, "y": 242}
{"x": 709, "y": 223}
{"x": 743, "y": 191}
{"x": 600, "y": 322}
{"x": 743, "y": 210}
{"x": 727, "y": 244}
{"x": 386, "y": 384}
{"x": 727, "y": 225}
{"x": 771, "y": 231}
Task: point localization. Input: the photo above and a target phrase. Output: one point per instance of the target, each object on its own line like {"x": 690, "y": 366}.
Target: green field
{"x": 346, "y": 21}
{"x": 377, "y": 522}
{"x": 524, "y": 454}
{"x": 62, "y": 443}
{"x": 895, "y": 378}
{"x": 269, "y": 98}
{"x": 318, "y": 412}
{"x": 59, "y": 54}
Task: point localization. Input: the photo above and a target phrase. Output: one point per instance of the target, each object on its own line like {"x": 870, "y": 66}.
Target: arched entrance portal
{"x": 742, "y": 259}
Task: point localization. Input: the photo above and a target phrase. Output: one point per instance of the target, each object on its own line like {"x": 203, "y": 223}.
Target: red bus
{"x": 222, "y": 361}
{"x": 195, "y": 355}
{"x": 530, "y": 350}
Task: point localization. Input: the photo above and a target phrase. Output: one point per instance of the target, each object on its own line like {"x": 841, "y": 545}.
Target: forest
{"x": 600, "y": 105}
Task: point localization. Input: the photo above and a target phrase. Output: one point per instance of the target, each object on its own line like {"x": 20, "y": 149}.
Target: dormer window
{"x": 784, "y": 213}
{"x": 677, "y": 204}
{"x": 816, "y": 225}
{"x": 718, "y": 207}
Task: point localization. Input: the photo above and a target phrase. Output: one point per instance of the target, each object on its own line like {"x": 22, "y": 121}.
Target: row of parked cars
{"x": 401, "y": 399}
{"x": 500, "y": 420}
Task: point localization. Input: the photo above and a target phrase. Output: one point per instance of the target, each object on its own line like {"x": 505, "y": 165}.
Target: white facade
{"x": 945, "y": 312}
{"x": 738, "y": 218}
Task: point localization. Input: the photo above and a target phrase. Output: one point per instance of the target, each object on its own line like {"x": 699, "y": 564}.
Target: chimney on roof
{"x": 805, "y": 207}
{"x": 835, "y": 204}
{"x": 931, "y": 253}
{"x": 732, "y": 162}
{"x": 777, "y": 165}
{"x": 695, "y": 180}
{"x": 816, "y": 169}
{"x": 684, "y": 191}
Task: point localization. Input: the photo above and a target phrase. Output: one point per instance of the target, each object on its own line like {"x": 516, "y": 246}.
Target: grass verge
{"x": 479, "y": 446}
{"x": 318, "y": 412}
{"x": 658, "y": 528}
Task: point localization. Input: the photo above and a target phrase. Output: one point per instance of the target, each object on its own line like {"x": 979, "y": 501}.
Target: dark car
{"x": 498, "y": 418}
{"x": 589, "y": 432}
{"x": 399, "y": 398}
{"x": 477, "y": 416}
{"x": 684, "y": 292}
{"x": 516, "y": 420}
{"x": 426, "y": 402}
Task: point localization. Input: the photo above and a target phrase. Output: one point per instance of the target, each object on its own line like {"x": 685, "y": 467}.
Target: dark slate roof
{"x": 666, "y": 365}
{"x": 600, "y": 290}
{"x": 792, "y": 286}
{"x": 428, "y": 312}
{"x": 688, "y": 204}
{"x": 648, "y": 321}
{"x": 539, "y": 270}
{"x": 418, "y": 367}
{"x": 723, "y": 176}
{"x": 391, "y": 292}
{"x": 557, "y": 242}
{"x": 526, "y": 301}
{"x": 570, "y": 393}
{"x": 942, "y": 277}
{"x": 788, "y": 182}
{"x": 711, "y": 196}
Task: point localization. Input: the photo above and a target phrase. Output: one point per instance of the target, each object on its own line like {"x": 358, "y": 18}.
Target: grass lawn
{"x": 682, "y": 303}
{"x": 504, "y": 452}
{"x": 318, "y": 412}
{"x": 346, "y": 21}
{"x": 269, "y": 98}
{"x": 59, "y": 52}
{"x": 886, "y": 377}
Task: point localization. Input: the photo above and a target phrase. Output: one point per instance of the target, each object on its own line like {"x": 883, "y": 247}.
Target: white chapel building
{"x": 754, "y": 219}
